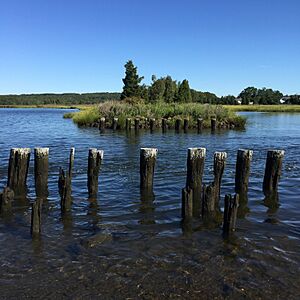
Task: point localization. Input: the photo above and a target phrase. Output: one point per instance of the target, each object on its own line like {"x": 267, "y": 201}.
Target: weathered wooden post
{"x": 185, "y": 125}
{"x": 213, "y": 124}
{"x": 208, "y": 201}
{"x": 187, "y": 205}
{"x": 231, "y": 205}
{"x": 152, "y": 124}
{"x": 195, "y": 168}
{"x": 102, "y": 124}
{"x": 136, "y": 124}
{"x": 177, "y": 125}
{"x": 219, "y": 166}
{"x": 164, "y": 125}
{"x": 199, "y": 125}
{"x": 128, "y": 124}
{"x": 65, "y": 184}
{"x": 18, "y": 170}
{"x": 41, "y": 166}
{"x": 115, "y": 124}
{"x": 94, "y": 163}
{"x": 272, "y": 172}
{"x": 147, "y": 165}
{"x": 36, "y": 217}
{"x": 242, "y": 172}
{"x": 6, "y": 198}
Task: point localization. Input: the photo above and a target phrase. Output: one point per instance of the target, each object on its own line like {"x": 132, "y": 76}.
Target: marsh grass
{"x": 265, "y": 108}
{"x": 171, "y": 111}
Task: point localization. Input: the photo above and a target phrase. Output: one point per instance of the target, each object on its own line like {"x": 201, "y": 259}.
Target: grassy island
{"x": 170, "y": 111}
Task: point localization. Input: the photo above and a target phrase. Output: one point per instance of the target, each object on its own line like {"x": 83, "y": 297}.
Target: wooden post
{"x": 18, "y": 170}
{"x": 36, "y": 213}
{"x": 199, "y": 125}
{"x": 177, "y": 125}
{"x": 6, "y": 198}
{"x": 65, "y": 184}
{"x": 164, "y": 125}
{"x": 136, "y": 124}
{"x": 152, "y": 124}
{"x": 272, "y": 172}
{"x": 208, "y": 201}
{"x": 128, "y": 124}
{"x": 94, "y": 162}
{"x": 187, "y": 205}
{"x": 242, "y": 172}
{"x": 195, "y": 168}
{"x": 213, "y": 122}
{"x": 219, "y": 166}
{"x": 147, "y": 165}
{"x": 115, "y": 124}
{"x": 102, "y": 124}
{"x": 41, "y": 166}
{"x": 231, "y": 205}
{"x": 185, "y": 125}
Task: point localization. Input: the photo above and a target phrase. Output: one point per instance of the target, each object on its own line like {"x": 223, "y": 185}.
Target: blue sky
{"x": 220, "y": 46}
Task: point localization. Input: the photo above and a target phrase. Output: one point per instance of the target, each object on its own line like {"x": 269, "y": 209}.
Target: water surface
{"x": 142, "y": 251}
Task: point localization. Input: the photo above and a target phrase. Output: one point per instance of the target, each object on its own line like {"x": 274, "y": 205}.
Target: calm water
{"x": 118, "y": 248}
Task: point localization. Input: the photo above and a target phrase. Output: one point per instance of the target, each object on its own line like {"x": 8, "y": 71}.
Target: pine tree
{"x": 184, "y": 92}
{"x": 131, "y": 81}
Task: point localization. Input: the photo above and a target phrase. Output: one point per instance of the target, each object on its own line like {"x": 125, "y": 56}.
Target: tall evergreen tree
{"x": 184, "y": 92}
{"x": 131, "y": 81}
{"x": 170, "y": 90}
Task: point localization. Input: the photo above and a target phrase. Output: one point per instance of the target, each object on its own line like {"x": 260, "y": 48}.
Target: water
{"x": 118, "y": 248}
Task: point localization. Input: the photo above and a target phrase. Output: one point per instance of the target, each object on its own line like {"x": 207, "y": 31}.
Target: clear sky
{"x": 220, "y": 46}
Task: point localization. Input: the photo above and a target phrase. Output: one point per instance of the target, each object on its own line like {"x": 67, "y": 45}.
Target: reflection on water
{"x": 127, "y": 244}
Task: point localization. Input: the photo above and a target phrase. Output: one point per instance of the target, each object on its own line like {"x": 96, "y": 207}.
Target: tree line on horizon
{"x": 163, "y": 89}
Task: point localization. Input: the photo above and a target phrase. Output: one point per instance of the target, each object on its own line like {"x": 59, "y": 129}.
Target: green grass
{"x": 265, "y": 108}
{"x": 191, "y": 111}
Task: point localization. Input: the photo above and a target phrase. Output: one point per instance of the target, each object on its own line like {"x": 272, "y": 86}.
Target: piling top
{"x": 95, "y": 152}
{"x": 194, "y": 153}
{"x": 149, "y": 152}
{"x": 72, "y": 151}
{"x": 115, "y": 119}
{"x": 276, "y": 153}
{"x": 220, "y": 155}
{"x": 102, "y": 119}
{"x": 245, "y": 152}
{"x": 21, "y": 151}
{"x": 41, "y": 151}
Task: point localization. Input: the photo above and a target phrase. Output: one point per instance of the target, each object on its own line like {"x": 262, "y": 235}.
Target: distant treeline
{"x": 57, "y": 99}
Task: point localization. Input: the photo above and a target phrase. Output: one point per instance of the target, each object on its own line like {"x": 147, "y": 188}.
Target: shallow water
{"x": 118, "y": 248}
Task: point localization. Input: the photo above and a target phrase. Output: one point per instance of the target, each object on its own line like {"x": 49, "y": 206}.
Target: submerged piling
{"x": 242, "y": 171}
{"x": 164, "y": 125}
{"x": 94, "y": 163}
{"x": 18, "y": 171}
{"x": 199, "y": 125}
{"x": 65, "y": 184}
{"x": 177, "y": 125}
{"x": 115, "y": 124}
{"x": 213, "y": 124}
{"x": 128, "y": 124}
{"x": 152, "y": 124}
{"x": 102, "y": 124}
{"x": 6, "y": 198}
{"x": 272, "y": 172}
{"x": 36, "y": 218}
{"x": 231, "y": 205}
{"x": 185, "y": 125}
{"x": 136, "y": 124}
{"x": 147, "y": 165}
{"x": 187, "y": 205}
{"x": 41, "y": 166}
{"x": 195, "y": 168}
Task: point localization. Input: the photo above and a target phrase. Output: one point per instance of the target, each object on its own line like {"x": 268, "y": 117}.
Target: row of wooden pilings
{"x": 152, "y": 124}
{"x": 198, "y": 200}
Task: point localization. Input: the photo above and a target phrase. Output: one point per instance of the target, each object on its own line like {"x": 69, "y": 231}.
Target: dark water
{"x": 117, "y": 248}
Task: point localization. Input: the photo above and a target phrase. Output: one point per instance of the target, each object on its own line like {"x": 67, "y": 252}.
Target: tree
{"x": 157, "y": 89}
{"x": 184, "y": 92}
{"x": 131, "y": 81}
{"x": 170, "y": 89}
